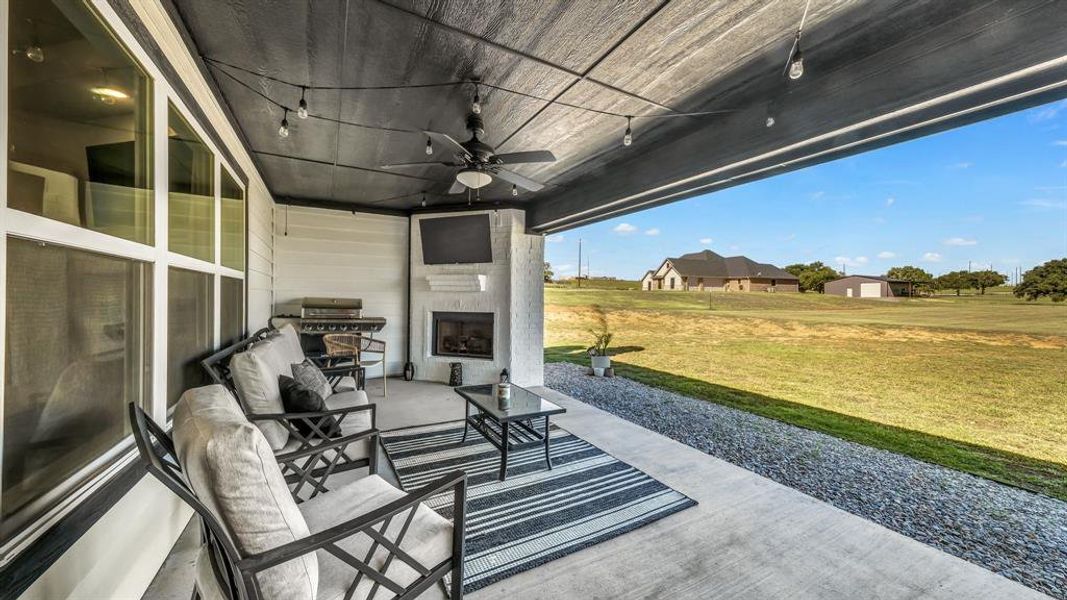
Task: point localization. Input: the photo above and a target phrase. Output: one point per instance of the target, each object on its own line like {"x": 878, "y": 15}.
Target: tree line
{"x": 1049, "y": 279}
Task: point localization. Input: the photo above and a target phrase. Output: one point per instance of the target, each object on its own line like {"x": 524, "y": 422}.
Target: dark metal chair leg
{"x": 504, "y": 451}
{"x": 459, "y": 511}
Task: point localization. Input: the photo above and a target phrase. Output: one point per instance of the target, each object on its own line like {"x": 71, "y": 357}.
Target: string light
{"x": 283, "y": 131}
{"x": 796, "y": 65}
{"x": 770, "y": 121}
{"x": 514, "y": 190}
{"x": 424, "y": 200}
{"x": 429, "y": 147}
{"x": 628, "y": 137}
{"x": 302, "y": 108}
{"x": 34, "y": 53}
{"x": 476, "y": 106}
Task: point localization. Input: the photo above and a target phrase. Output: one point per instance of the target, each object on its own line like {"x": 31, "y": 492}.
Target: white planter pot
{"x": 599, "y": 363}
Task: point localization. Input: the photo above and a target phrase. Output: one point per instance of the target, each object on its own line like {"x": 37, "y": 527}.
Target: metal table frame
{"x": 508, "y": 434}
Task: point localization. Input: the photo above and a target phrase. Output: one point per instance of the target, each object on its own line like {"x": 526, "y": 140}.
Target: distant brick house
{"x": 869, "y": 286}
{"x": 707, "y": 271}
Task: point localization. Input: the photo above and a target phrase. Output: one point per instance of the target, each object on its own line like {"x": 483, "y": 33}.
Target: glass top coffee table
{"x": 512, "y": 429}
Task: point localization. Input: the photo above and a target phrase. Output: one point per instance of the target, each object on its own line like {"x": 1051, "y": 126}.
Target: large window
{"x": 80, "y": 140}
{"x": 190, "y": 329}
{"x": 231, "y": 310}
{"x": 77, "y": 352}
{"x": 191, "y": 170}
{"x": 232, "y": 197}
{"x": 124, "y": 265}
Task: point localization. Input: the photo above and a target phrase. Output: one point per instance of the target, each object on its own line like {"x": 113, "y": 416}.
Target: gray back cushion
{"x": 255, "y": 375}
{"x": 230, "y": 466}
{"x": 290, "y": 344}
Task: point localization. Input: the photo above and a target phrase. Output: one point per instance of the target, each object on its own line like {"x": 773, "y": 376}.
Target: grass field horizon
{"x": 971, "y": 382}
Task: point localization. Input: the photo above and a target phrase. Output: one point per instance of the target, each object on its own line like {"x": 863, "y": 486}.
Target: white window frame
{"x": 25, "y": 225}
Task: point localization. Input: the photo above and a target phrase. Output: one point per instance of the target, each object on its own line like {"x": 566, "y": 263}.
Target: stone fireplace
{"x": 487, "y": 316}
{"x": 463, "y": 334}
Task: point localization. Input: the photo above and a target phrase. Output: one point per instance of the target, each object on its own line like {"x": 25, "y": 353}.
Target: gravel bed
{"x": 1018, "y": 534}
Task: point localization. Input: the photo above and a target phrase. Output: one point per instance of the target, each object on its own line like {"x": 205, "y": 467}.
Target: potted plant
{"x": 598, "y": 352}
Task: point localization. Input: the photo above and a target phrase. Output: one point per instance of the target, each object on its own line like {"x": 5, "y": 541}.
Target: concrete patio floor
{"x": 748, "y": 537}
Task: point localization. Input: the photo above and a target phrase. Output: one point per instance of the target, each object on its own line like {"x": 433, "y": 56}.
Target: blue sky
{"x": 991, "y": 193}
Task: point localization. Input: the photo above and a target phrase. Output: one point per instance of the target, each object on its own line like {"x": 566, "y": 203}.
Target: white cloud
{"x": 706, "y": 241}
{"x": 931, "y": 257}
{"x": 1060, "y": 143}
{"x": 1063, "y": 165}
{"x": 890, "y": 201}
{"x": 1046, "y": 113}
{"x": 653, "y": 231}
{"x": 561, "y": 269}
{"x": 555, "y": 238}
{"x": 848, "y": 261}
{"x": 884, "y": 254}
{"x": 1045, "y": 204}
{"x": 734, "y": 247}
{"x": 817, "y": 195}
{"x": 790, "y": 237}
{"x": 961, "y": 165}
{"x": 624, "y": 228}
{"x": 958, "y": 241}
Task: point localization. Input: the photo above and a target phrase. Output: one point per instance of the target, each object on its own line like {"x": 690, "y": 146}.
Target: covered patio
{"x": 181, "y": 175}
{"x": 749, "y": 537}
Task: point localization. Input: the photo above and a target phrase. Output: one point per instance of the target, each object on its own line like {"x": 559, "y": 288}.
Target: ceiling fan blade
{"x": 445, "y": 140}
{"x": 518, "y": 180}
{"x": 419, "y": 164}
{"x": 533, "y": 156}
{"x": 456, "y": 188}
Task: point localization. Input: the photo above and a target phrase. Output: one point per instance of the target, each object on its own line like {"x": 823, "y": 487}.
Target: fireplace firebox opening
{"x": 463, "y": 334}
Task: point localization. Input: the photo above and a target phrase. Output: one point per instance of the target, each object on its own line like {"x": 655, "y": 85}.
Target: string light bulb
{"x": 514, "y": 190}
{"x": 770, "y": 122}
{"x": 429, "y": 147}
{"x": 283, "y": 131}
{"x": 34, "y": 53}
{"x": 628, "y": 137}
{"x": 424, "y": 200}
{"x": 796, "y": 64}
{"x": 476, "y": 105}
{"x": 302, "y": 108}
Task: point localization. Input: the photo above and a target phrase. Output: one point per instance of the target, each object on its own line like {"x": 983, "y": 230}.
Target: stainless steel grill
{"x": 336, "y": 315}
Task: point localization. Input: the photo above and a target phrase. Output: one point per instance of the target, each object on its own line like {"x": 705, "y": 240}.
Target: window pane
{"x": 232, "y": 311}
{"x": 78, "y": 341}
{"x": 191, "y": 173}
{"x": 233, "y": 223}
{"x": 190, "y": 329}
{"x": 80, "y": 147}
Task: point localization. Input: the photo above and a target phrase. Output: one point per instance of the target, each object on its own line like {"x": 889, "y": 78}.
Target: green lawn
{"x": 975, "y": 383}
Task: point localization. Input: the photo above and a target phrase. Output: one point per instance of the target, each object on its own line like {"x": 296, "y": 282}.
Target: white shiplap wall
{"x": 340, "y": 255}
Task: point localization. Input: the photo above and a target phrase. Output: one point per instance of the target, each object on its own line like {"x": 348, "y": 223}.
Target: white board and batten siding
{"x": 336, "y": 254}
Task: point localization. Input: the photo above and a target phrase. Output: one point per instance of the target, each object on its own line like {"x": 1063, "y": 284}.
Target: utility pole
{"x": 579, "y": 262}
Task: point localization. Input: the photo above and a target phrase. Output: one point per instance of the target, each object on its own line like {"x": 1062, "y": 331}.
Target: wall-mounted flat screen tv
{"x": 456, "y": 240}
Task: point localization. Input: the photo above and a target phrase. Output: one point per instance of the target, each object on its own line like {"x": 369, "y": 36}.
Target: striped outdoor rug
{"x": 537, "y": 515}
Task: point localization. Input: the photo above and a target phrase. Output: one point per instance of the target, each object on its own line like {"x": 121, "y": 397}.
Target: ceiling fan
{"x": 478, "y": 162}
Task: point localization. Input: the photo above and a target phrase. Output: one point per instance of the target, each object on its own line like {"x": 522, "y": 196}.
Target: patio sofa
{"x": 363, "y": 540}
{"x": 250, "y": 369}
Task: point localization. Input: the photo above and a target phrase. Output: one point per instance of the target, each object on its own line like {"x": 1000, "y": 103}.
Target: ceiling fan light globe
{"x": 474, "y": 178}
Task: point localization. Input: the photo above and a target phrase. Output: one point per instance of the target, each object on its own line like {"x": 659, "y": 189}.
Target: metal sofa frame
{"x": 237, "y": 572}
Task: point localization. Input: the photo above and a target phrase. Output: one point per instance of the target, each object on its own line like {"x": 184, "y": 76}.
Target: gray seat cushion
{"x": 428, "y": 539}
{"x": 255, "y": 375}
{"x": 232, "y": 470}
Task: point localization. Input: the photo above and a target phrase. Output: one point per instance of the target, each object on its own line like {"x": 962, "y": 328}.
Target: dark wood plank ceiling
{"x": 864, "y": 60}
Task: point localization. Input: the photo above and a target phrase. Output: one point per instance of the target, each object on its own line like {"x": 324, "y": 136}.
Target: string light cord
{"x": 218, "y": 64}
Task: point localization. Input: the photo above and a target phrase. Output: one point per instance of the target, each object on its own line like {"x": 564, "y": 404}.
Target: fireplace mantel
{"x": 457, "y": 282}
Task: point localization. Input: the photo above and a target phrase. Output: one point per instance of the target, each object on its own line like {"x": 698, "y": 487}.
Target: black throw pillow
{"x": 297, "y": 398}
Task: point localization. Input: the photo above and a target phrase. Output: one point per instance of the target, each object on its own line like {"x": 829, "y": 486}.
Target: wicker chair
{"x": 342, "y": 345}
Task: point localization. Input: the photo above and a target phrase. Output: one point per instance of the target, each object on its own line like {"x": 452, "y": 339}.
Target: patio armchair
{"x": 364, "y": 540}
{"x": 250, "y": 368}
{"x": 364, "y": 351}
